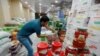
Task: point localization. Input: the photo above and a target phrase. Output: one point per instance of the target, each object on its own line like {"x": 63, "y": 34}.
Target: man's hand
{"x": 47, "y": 27}
{"x": 39, "y": 36}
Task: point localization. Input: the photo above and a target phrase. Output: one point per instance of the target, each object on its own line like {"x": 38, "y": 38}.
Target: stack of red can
{"x": 71, "y": 51}
{"x": 57, "y": 48}
{"x": 80, "y": 38}
{"x": 78, "y": 47}
{"x": 79, "y": 41}
{"x": 43, "y": 50}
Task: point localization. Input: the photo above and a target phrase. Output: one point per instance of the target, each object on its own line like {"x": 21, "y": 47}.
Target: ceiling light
{"x": 26, "y": 2}
{"x": 56, "y": 1}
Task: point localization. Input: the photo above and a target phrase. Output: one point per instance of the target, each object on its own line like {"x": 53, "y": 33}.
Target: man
{"x": 29, "y": 28}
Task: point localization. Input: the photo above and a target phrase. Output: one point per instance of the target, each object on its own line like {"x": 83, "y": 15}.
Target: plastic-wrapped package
{"x": 4, "y": 43}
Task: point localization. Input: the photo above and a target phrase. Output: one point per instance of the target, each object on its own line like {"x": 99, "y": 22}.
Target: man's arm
{"x": 47, "y": 27}
{"x": 41, "y": 36}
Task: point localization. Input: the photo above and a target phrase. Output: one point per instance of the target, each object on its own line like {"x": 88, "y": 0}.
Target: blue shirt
{"x": 33, "y": 26}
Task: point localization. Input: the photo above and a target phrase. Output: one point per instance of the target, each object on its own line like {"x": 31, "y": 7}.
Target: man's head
{"x": 44, "y": 20}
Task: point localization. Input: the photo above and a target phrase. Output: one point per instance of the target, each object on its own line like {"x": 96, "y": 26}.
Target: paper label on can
{"x": 43, "y": 52}
{"x": 56, "y": 55}
{"x": 81, "y": 37}
{"x": 70, "y": 54}
{"x": 59, "y": 49}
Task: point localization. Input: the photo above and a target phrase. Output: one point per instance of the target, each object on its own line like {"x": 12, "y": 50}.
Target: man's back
{"x": 30, "y": 27}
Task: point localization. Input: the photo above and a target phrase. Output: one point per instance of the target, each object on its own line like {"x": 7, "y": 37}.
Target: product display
{"x": 57, "y": 49}
{"x": 50, "y": 28}
{"x": 80, "y": 38}
{"x": 42, "y": 49}
{"x": 71, "y": 51}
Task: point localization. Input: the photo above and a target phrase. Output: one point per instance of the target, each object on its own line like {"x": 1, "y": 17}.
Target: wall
{"x": 6, "y": 11}
{"x": 4, "y": 8}
{"x": 32, "y": 15}
{"x": 16, "y": 9}
{"x": 26, "y": 13}
{"x": 12, "y": 9}
{"x": 1, "y": 15}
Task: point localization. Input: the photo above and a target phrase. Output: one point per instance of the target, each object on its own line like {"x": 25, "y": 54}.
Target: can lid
{"x": 82, "y": 28}
{"x": 56, "y": 44}
{"x": 42, "y": 45}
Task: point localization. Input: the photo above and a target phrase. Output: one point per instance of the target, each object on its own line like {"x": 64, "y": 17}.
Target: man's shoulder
{"x": 35, "y": 20}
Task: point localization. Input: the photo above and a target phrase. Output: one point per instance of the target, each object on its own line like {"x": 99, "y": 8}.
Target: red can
{"x": 78, "y": 44}
{"x": 56, "y": 48}
{"x": 80, "y": 38}
{"x": 56, "y": 45}
{"x": 42, "y": 49}
{"x": 84, "y": 52}
{"x": 81, "y": 34}
{"x": 42, "y": 46}
{"x": 71, "y": 51}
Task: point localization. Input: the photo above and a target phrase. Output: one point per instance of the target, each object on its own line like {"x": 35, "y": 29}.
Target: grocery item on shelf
{"x": 71, "y": 51}
{"x": 4, "y": 37}
{"x": 15, "y": 44}
{"x": 61, "y": 35}
{"x": 47, "y": 35}
{"x": 57, "y": 48}
{"x": 4, "y": 42}
{"x": 80, "y": 38}
{"x": 42, "y": 49}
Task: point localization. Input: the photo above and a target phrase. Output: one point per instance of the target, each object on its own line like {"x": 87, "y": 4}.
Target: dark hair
{"x": 44, "y": 19}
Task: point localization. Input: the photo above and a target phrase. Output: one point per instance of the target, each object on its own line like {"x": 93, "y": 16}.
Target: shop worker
{"x": 29, "y": 28}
